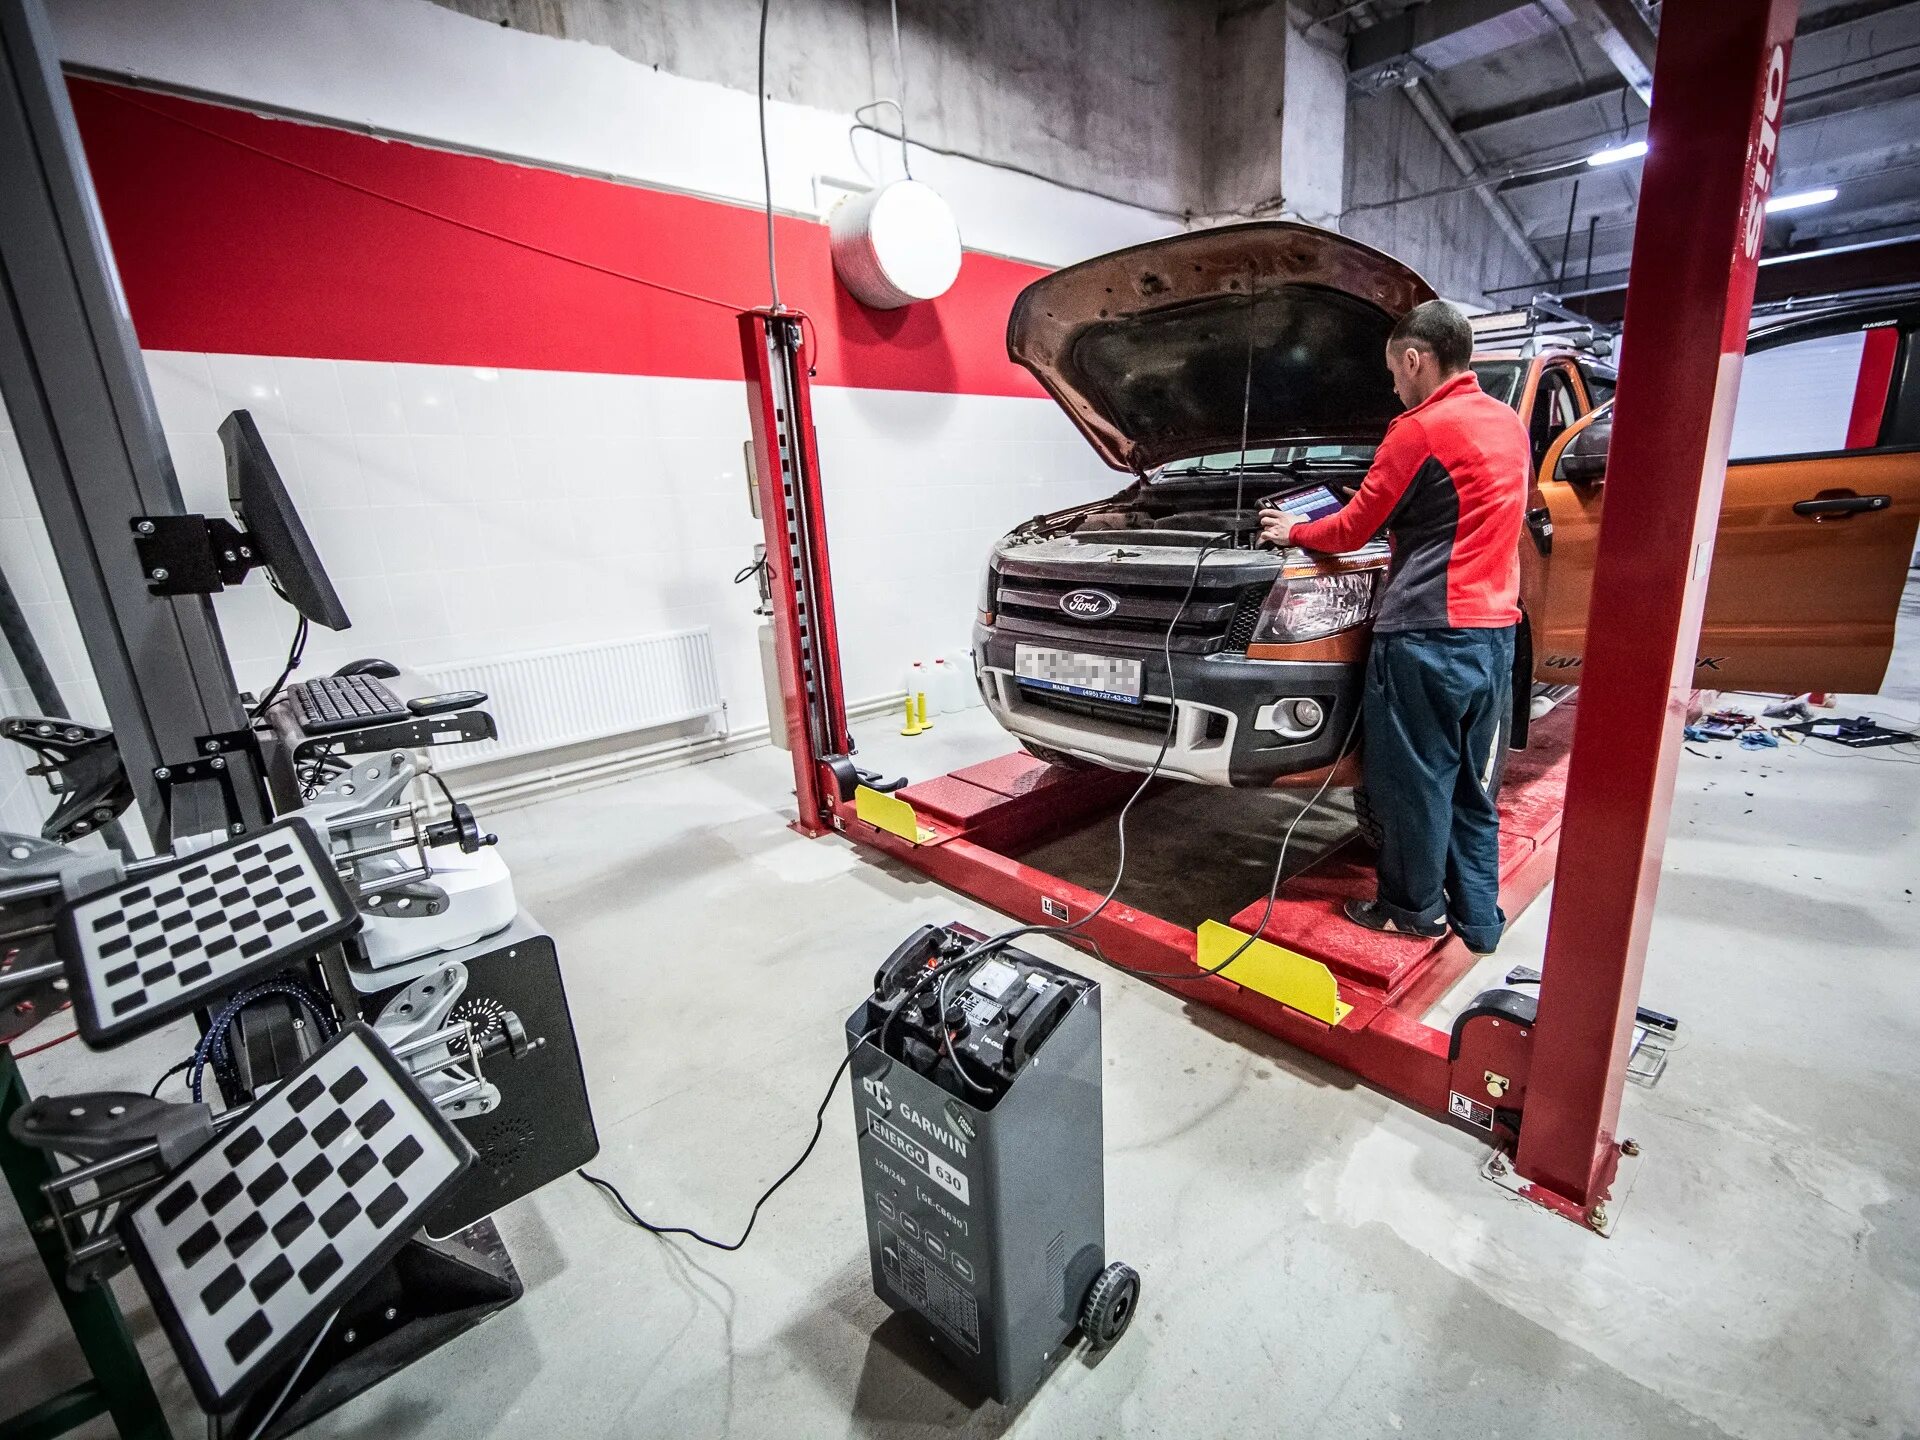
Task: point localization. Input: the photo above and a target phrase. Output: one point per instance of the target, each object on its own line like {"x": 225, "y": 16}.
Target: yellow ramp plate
{"x": 891, "y": 814}
{"x": 1295, "y": 980}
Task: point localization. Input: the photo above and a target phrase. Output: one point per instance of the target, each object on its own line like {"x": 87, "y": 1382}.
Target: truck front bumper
{"x": 1225, "y": 727}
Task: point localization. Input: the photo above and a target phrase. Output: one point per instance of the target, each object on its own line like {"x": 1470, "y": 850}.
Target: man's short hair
{"x": 1439, "y": 329}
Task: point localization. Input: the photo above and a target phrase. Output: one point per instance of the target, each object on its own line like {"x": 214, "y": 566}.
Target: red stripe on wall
{"x": 240, "y": 234}
{"x": 1870, "y": 390}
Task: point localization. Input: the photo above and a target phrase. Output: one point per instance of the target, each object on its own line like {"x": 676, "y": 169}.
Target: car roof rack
{"x": 1543, "y": 324}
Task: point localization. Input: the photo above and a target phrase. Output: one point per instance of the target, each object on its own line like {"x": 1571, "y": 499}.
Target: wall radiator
{"x": 550, "y": 698}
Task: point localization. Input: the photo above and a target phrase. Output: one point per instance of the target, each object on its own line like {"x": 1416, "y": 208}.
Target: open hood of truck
{"x": 1148, "y": 348}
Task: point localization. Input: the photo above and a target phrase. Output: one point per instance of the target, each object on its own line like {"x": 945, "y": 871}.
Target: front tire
{"x": 1364, "y": 818}
{"x": 1367, "y": 820}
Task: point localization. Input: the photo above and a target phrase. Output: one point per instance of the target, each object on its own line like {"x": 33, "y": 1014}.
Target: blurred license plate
{"x": 1101, "y": 676}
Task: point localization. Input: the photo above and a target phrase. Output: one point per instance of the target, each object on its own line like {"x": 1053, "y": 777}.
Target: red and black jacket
{"x": 1449, "y": 484}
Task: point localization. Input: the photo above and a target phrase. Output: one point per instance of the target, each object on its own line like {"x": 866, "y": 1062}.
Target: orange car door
{"x": 1817, "y": 522}
{"x": 1822, "y": 501}
{"x": 1548, "y": 552}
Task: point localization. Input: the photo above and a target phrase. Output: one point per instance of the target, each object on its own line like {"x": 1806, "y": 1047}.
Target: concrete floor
{"x": 1317, "y": 1261}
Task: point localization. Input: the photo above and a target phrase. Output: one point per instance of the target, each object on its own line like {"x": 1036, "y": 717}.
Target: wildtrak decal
{"x": 1572, "y": 662}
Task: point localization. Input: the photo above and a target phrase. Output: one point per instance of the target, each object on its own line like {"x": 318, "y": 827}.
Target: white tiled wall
{"x": 469, "y": 513}
{"x": 477, "y": 512}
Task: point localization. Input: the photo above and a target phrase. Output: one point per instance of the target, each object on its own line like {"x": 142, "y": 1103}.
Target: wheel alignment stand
{"x": 1558, "y": 1056}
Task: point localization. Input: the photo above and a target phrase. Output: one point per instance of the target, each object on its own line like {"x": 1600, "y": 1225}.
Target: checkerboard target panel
{"x": 157, "y": 946}
{"x": 252, "y": 1244}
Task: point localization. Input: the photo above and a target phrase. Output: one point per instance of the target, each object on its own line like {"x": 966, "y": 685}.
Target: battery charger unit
{"x": 977, "y": 1108}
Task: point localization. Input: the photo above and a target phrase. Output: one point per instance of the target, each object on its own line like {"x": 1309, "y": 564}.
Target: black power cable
{"x": 296, "y": 651}
{"x": 996, "y": 942}
{"x": 1273, "y": 887}
{"x": 182, "y": 1067}
{"x": 766, "y": 159}
{"x": 1068, "y": 934}
{"x": 819, "y": 1123}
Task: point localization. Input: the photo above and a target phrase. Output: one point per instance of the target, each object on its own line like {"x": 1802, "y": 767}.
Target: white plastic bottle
{"x": 966, "y": 688}
{"x": 945, "y": 692}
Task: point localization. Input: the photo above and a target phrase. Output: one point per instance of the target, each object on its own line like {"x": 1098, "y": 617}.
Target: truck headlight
{"x": 1307, "y": 607}
{"x": 989, "y": 593}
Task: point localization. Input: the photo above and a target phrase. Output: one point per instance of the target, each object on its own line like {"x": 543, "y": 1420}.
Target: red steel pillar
{"x": 786, "y": 476}
{"x": 1719, "y": 81}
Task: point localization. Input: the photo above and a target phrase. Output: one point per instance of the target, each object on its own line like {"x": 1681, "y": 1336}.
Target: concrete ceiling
{"x": 1530, "y": 85}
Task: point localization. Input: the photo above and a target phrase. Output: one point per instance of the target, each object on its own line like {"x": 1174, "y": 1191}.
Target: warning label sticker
{"x": 924, "y": 1284}
{"x": 918, "y": 1156}
{"x": 1465, "y": 1107}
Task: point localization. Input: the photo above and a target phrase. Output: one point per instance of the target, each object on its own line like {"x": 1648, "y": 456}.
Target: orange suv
{"x": 1231, "y": 364}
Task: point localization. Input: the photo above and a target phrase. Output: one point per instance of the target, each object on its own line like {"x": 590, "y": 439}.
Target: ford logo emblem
{"x": 1088, "y": 604}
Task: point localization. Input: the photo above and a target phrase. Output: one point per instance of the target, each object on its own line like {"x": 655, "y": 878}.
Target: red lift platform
{"x": 1355, "y": 999}
{"x": 983, "y": 818}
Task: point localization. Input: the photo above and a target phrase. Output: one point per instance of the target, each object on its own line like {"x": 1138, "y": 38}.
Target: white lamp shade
{"x": 895, "y": 244}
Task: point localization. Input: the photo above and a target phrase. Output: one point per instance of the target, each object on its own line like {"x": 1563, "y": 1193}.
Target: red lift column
{"x": 1719, "y": 80}
{"x": 793, "y": 517}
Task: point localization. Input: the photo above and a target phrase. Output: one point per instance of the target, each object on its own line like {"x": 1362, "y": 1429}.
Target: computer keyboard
{"x": 344, "y": 702}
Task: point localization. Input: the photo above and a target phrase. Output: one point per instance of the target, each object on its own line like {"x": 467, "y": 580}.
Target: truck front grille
{"x": 1246, "y": 616}
{"x": 1142, "y": 610}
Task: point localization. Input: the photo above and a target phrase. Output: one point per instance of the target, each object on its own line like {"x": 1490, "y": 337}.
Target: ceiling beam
{"x": 1421, "y": 97}
{"x": 1601, "y": 87}
{"x": 1469, "y": 121}
{"x": 1831, "y": 271}
{"x": 1839, "y": 98}
{"x": 1440, "y": 34}
{"x": 1623, "y": 35}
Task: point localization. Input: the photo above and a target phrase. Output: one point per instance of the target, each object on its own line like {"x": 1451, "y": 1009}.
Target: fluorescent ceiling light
{"x": 1632, "y": 150}
{"x": 1801, "y": 199}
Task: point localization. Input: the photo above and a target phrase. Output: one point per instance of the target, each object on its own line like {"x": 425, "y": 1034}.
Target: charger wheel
{"x": 1111, "y": 1301}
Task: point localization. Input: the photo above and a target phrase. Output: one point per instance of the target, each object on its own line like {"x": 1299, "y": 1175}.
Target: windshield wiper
{"x": 1306, "y": 465}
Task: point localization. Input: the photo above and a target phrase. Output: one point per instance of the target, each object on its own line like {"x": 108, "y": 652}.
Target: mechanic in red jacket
{"x": 1449, "y": 485}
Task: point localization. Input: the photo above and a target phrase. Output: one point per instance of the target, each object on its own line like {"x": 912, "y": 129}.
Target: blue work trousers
{"x": 1437, "y": 708}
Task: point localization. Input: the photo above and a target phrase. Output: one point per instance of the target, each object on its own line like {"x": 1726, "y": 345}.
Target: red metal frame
{"x": 793, "y": 516}
{"x": 984, "y": 816}
{"x": 1604, "y": 782}
{"x": 1719, "y": 80}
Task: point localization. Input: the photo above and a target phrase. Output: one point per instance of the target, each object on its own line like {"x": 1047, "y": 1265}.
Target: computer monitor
{"x": 266, "y": 510}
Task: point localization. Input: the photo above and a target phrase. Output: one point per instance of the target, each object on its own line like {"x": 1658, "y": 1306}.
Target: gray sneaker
{"x": 1370, "y": 914}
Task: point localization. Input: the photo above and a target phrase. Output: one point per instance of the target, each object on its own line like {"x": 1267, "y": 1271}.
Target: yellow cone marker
{"x": 925, "y": 723}
{"x": 913, "y": 726}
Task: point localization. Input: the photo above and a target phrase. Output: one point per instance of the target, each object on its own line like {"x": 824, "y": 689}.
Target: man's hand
{"x": 1276, "y": 528}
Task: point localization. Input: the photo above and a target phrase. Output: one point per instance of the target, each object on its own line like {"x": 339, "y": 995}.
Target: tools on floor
{"x": 1796, "y": 719}
{"x": 1861, "y": 732}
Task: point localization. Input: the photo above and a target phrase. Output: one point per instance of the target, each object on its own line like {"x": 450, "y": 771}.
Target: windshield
{"x": 1269, "y": 457}
{"x": 1501, "y": 379}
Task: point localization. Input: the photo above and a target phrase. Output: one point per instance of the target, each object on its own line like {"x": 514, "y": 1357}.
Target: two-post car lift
{"x": 1585, "y": 805}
